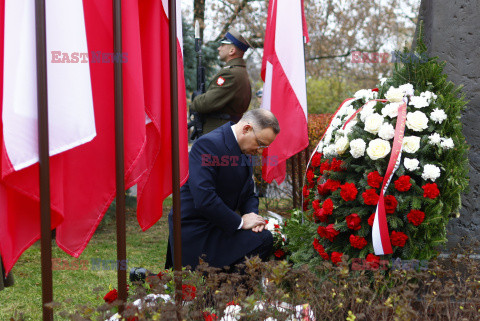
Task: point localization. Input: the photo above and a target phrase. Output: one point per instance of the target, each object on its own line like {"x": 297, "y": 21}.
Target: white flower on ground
{"x": 366, "y": 94}
{"x": 411, "y": 164}
{"x": 438, "y": 116}
{"x": 378, "y": 148}
{"x": 386, "y": 131}
{"x": 271, "y": 224}
{"x": 373, "y": 123}
{"x": 341, "y": 145}
{"x": 447, "y": 143}
{"x": 390, "y": 110}
{"x": 329, "y": 150}
{"x": 394, "y": 95}
{"x": 407, "y": 89}
{"x": 418, "y": 102}
{"x": 357, "y": 147}
{"x": 231, "y": 313}
{"x": 429, "y": 96}
{"x": 417, "y": 121}
{"x": 411, "y": 144}
{"x": 367, "y": 110}
{"x": 435, "y": 139}
{"x": 430, "y": 172}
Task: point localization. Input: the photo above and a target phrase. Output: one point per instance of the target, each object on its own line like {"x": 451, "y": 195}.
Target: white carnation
{"x": 231, "y": 312}
{"x": 366, "y": 94}
{"x": 430, "y": 172}
{"x": 429, "y": 96}
{"x": 390, "y": 110}
{"x": 367, "y": 110}
{"x": 328, "y": 136}
{"x": 357, "y": 147}
{"x": 417, "y": 121}
{"x": 382, "y": 81}
{"x": 386, "y": 131}
{"x": 407, "y": 89}
{"x": 434, "y": 139}
{"x": 378, "y": 148}
{"x": 349, "y": 111}
{"x": 411, "y": 144}
{"x": 394, "y": 95}
{"x": 418, "y": 102}
{"x": 336, "y": 122}
{"x": 341, "y": 145}
{"x": 447, "y": 143}
{"x": 329, "y": 150}
{"x": 373, "y": 123}
{"x": 320, "y": 147}
{"x": 349, "y": 126}
{"x": 438, "y": 115}
{"x": 271, "y": 224}
{"x": 410, "y": 164}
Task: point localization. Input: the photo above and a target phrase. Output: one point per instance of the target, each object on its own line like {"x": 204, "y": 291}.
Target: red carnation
{"x": 349, "y": 192}
{"x": 390, "y": 204}
{"x": 332, "y": 185}
{"x": 310, "y": 176}
{"x": 319, "y": 248}
{"x": 279, "y": 253}
{"x": 370, "y": 219}
{"x": 188, "y": 292}
{"x": 416, "y": 217}
{"x": 373, "y": 261}
{"x": 370, "y": 197}
{"x": 336, "y": 165}
{"x": 207, "y": 316}
{"x": 305, "y": 204}
{"x": 374, "y": 179}
{"x": 398, "y": 238}
{"x": 327, "y": 206}
{"x": 322, "y": 189}
{"x": 375, "y": 89}
{"x": 327, "y": 232}
{"x": 320, "y": 215}
{"x": 357, "y": 242}
{"x": 402, "y": 184}
{"x": 353, "y": 222}
{"x": 316, "y": 204}
{"x": 336, "y": 257}
{"x": 316, "y": 159}
{"x": 430, "y": 190}
{"x": 306, "y": 191}
{"x": 111, "y": 296}
{"x": 325, "y": 166}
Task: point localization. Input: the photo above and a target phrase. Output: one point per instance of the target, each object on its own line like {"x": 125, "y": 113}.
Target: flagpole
{"x": 44, "y": 165}
{"x": 119, "y": 154}
{"x": 177, "y": 235}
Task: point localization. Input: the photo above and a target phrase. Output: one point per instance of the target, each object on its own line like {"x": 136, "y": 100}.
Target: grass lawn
{"x": 75, "y": 287}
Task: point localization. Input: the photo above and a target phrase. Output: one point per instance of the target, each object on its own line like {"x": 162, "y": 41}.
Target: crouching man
{"x": 219, "y": 209}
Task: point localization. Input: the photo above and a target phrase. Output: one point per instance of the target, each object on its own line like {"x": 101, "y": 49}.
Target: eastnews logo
{"x": 94, "y": 264}
{"x": 59, "y": 57}
{"x": 228, "y": 160}
{"x": 386, "y": 57}
{"x": 395, "y": 264}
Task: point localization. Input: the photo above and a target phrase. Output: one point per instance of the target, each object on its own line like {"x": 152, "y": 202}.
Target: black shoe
{"x": 138, "y": 275}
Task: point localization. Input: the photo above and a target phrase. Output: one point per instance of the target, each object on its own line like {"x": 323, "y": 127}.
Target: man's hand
{"x": 254, "y": 222}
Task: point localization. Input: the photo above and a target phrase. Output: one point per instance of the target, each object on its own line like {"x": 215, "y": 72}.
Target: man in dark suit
{"x": 219, "y": 209}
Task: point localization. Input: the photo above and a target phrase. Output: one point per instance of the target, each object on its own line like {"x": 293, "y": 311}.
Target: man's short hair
{"x": 262, "y": 119}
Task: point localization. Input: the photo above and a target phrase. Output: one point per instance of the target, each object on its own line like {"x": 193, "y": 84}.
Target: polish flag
{"x": 81, "y": 119}
{"x": 284, "y": 91}
{"x": 156, "y": 183}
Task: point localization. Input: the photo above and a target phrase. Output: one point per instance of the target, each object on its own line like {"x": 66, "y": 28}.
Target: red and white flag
{"x": 156, "y": 183}
{"x": 81, "y": 119}
{"x": 284, "y": 91}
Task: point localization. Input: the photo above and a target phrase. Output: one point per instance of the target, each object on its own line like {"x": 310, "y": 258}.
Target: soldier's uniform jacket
{"x": 229, "y": 93}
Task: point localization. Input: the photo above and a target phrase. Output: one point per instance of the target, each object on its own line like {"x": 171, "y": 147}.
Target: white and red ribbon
{"x": 380, "y": 234}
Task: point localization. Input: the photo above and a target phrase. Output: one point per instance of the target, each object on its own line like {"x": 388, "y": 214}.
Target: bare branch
{"x": 227, "y": 25}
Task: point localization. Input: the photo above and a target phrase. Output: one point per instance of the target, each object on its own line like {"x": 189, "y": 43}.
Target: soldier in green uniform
{"x": 229, "y": 92}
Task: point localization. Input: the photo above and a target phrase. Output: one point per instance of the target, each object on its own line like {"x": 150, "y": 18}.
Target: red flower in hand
{"x": 357, "y": 242}
{"x": 370, "y": 197}
{"x": 430, "y": 190}
{"x": 279, "y": 253}
{"x": 111, "y": 296}
{"x": 327, "y": 232}
{"x": 402, "y": 184}
{"x": 373, "y": 261}
{"x": 336, "y": 257}
{"x": 416, "y": 217}
{"x": 332, "y": 185}
{"x": 188, "y": 292}
{"x": 348, "y": 192}
{"x": 327, "y": 206}
{"x": 353, "y": 221}
{"x": 316, "y": 159}
{"x": 374, "y": 179}
{"x": 370, "y": 219}
{"x": 398, "y": 238}
{"x": 390, "y": 204}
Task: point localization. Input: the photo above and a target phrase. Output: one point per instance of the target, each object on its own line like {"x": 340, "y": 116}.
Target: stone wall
{"x": 452, "y": 32}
